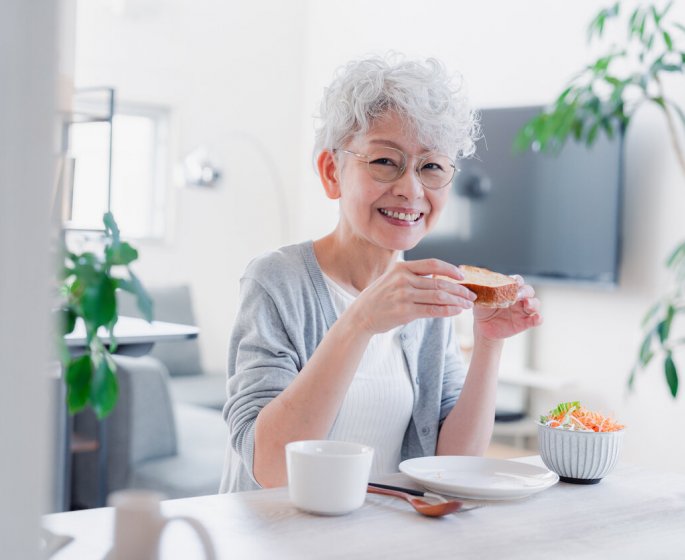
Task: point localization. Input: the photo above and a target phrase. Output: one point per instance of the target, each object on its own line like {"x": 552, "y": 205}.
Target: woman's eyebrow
{"x": 392, "y": 144}
{"x": 385, "y": 142}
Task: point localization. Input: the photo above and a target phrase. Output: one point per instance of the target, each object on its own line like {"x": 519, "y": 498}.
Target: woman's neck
{"x": 352, "y": 262}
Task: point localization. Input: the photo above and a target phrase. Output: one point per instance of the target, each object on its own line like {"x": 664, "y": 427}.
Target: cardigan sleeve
{"x": 454, "y": 374}
{"x": 262, "y": 362}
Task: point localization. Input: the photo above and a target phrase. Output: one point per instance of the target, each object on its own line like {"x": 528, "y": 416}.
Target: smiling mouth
{"x": 405, "y": 217}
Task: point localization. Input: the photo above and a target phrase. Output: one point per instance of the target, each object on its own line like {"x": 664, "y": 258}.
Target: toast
{"x": 492, "y": 288}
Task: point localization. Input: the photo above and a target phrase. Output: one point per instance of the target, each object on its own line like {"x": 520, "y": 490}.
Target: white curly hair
{"x": 430, "y": 101}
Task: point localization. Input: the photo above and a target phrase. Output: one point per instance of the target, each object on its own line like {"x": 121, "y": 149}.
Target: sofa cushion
{"x": 202, "y": 390}
{"x": 196, "y": 469}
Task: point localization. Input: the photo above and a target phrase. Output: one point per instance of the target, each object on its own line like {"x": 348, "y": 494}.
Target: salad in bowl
{"x": 573, "y": 416}
{"x": 580, "y": 445}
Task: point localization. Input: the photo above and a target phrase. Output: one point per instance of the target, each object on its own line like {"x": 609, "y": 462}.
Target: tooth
{"x": 402, "y": 214}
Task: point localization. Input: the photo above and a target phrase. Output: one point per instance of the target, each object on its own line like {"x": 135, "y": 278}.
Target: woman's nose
{"x": 408, "y": 185}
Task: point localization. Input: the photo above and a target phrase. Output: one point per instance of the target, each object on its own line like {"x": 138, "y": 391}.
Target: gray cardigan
{"x": 285, "y": 310}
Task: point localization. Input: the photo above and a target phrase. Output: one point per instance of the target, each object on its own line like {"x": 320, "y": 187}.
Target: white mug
{"x": 328, "y": 477}
{"x": 138, "y": 526}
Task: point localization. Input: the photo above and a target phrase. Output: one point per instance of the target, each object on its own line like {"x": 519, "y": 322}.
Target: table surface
{"x": 633, "y": 513}
{"x": 131, "y": 330}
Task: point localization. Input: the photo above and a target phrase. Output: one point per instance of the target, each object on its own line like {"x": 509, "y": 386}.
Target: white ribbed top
{"x": 378, "y": 404}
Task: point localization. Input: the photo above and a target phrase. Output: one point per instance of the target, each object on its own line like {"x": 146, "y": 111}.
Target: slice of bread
{"x": 492, "y": 288}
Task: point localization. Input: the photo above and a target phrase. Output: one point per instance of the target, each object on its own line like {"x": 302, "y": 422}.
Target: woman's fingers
{"x": 426, "y": 267}
{"x": 439, "y": 297}
{"x": 440, "y": 285}
{"x": 526, "y": 291}
{"x": 531, "y": 306}
{"x": 427, "y": 310}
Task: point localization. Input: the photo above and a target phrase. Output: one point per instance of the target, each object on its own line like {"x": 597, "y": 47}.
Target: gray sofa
{"x": 152, "y": 441}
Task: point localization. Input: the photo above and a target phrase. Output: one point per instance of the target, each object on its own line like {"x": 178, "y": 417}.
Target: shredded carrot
{"x": 581, "y": 418}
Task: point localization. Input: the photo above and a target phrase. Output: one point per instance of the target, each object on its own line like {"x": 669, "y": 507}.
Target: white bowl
{"x": 579, "y": 457}
{"x": 328, "y": 477}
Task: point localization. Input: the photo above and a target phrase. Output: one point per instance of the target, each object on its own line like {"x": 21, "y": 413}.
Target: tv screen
{"x": 547, "y": 217}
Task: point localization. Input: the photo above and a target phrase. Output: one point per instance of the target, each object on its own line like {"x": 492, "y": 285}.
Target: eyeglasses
{"x": 386, "y": 164}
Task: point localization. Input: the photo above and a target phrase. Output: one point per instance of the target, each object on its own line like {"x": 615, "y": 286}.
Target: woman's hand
{"x": 496, "y": 324}
{"x": 406, "y": 292}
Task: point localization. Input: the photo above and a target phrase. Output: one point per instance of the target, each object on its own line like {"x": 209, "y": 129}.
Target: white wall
{"x": 230, "y": 69}
{"x": 230, "y": 73}
{"x": 27, "y": 72}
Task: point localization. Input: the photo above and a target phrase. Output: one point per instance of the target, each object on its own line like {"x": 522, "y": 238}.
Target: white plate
{"x": 478, "y": 478}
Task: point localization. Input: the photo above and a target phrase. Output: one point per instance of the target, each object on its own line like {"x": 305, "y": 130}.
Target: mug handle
{"x": 200, "y": 530}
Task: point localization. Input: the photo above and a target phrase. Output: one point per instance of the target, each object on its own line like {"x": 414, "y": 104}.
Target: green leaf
{"x": 670, "y": 67}
{"x": 666, "y": 10}
{"x": 62, "y": 350}
{"x": 111, "y": 228}
{"x": 646, "y": 353}
{"x": 104, "y": 387}
{"x": 650, "y": 314}
{"x": 676, "y": 256}
{"x": 113, "y": 344}
{"x": 614, "y": 81}
{"x": 98, "y": 301}
{"x": 664, "y": 327}
{"x": 660, "y": 101}
{"x": 67, "y": 320}
{"x": 577, "y": 130}
{"x": 592, "y": 134}
{"x": 631, "y": 378}
{"x": 650, "y": 41}
{"x": 641, "y": 26}
{"x": 656, "y": 15}
{"x": 120, "y": 254}
{"x": 671, "y": 375}
{"x": 564, "y": 94}
{"x": 563, "y": 408}
{"x": 143, "y": 299}
{"x": 606, "y": 126}
{"x": 78, "y": 378}
{"x": 632, "y": 20}
{"x": 668, "y": 40}
{"x": 87, "y": 267}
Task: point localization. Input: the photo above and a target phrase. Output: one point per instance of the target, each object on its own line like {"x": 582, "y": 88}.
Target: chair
{"x": 152, "y": 442}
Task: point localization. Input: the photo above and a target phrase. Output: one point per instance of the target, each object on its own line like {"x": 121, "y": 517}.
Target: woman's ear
{"x": 329, "y": 174}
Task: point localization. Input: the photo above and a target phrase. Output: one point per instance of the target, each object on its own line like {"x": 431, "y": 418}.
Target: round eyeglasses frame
{"x": 403, "y": 167}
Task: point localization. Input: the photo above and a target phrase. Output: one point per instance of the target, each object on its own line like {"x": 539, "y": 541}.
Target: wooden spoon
{"x": 423, "y": 507}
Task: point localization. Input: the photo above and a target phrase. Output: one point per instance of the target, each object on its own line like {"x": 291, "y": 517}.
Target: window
{"x": 139, "y": 171}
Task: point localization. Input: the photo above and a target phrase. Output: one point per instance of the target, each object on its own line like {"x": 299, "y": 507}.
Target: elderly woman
{"x": 340, "y": 338}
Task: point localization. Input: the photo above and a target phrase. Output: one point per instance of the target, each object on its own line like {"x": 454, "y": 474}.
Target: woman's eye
{"x": 432, "y": 166}
{"x": 384, "y": 161}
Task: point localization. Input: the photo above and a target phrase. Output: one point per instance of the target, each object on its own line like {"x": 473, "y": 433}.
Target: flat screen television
{"x": 550, "y": 218}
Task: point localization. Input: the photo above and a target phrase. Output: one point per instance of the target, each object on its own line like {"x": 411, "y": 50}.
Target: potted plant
{"x": 602, "y": 99}
{"x": 89, "y": 282}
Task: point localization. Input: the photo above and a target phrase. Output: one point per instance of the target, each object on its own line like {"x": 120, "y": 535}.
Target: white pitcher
{"x": 138, "y": 526}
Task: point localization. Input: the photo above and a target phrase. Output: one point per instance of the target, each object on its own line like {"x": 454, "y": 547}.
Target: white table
{"x": 135, "y": 337}
{"x": 633, "y": 513}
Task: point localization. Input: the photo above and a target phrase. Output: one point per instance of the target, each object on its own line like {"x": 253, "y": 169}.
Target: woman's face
{"x": 369, "y": 208}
